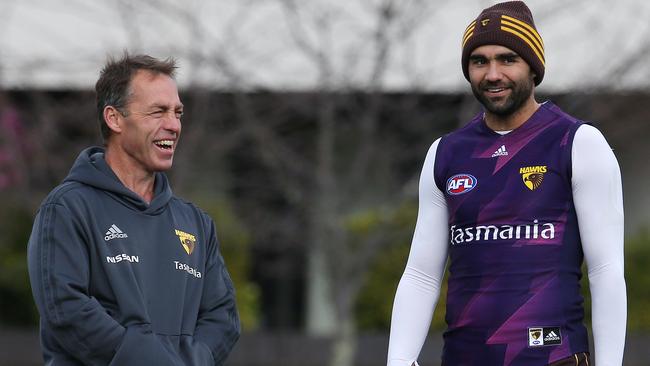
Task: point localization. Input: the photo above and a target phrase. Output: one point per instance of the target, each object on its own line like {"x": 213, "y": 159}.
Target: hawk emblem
{"x": 533, "y": 176}
{"x": 188, "y": 241}
{"x": 535, "y": 334}
{"x": 533, "y": 180}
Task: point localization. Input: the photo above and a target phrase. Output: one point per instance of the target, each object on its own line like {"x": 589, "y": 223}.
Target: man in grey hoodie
{"x": 122, "y": 271}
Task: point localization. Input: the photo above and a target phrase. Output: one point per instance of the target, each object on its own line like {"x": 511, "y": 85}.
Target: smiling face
{"x": 501, "y": 80}
{"x": 145, "y": 134}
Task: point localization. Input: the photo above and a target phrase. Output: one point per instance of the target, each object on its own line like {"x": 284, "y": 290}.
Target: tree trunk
{"x": 344, "y": 345}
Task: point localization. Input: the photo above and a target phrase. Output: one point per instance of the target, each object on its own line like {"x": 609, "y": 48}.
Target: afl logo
{"x": 461, "y": 183}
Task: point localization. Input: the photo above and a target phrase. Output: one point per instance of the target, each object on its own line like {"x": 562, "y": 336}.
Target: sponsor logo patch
{"x": 484, "y": 233}
{"x": 544, "y": 336}
{"x": 461, "y": 183}
{"x": 533, "y": 176}
{"x": 500, "y": 152}
{"x": 123, "y": 258}
{"x": 186, "y": 268}
{"x": 188, "y": 241}
{"x": 114, "y": 232}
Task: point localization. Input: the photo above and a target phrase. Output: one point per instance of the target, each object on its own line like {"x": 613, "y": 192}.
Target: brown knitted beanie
{"x": 509, "y": 24}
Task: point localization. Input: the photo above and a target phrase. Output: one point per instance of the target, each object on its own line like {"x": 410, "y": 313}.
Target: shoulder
{"x": 560, "y": 114}
{"x": 433, "y": 149}
{"x": 588, "y": 134}
{"x": 68, "y": 193}
{"x": 590, "y": 144}
{"x": 181, "y": 205}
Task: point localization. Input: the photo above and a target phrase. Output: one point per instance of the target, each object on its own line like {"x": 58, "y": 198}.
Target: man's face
{"x": 501, "y": 80}
{"x": 151, "y": 125}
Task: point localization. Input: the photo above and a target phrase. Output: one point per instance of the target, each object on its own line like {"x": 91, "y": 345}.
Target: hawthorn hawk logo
{"x": 533, "y": 176}
{"x": 188, "y": 241}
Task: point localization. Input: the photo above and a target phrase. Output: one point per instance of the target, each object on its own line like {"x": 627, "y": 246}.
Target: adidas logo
{"x": 500, "y": 151}
{"x": 114, "y": 232}
{"x": 552, "y": 336}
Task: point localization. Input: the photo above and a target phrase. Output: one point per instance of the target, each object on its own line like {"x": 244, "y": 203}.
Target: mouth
{"x": 165, "y": 145}
{"x": 495, "y": 91}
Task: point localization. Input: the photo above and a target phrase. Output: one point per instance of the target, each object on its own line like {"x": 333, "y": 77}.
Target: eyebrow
{"x": 499, "y": 56}
{"x": 166, "y": 107}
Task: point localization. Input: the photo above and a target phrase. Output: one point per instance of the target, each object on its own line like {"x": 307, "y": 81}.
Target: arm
{"x": 217, "y": 326}
{"x": 59, "y": 275}
{"x": 419, "y": 288}
{"x": 598, "y": 200}
{"x": 74, "y": 321}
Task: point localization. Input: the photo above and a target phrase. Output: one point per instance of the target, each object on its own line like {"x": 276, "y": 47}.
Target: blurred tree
{"x": 16, "y": 305}
{"x": 375, "y": 302}
{"x": 234, "y": 240}
{"x": 637, "y": 254}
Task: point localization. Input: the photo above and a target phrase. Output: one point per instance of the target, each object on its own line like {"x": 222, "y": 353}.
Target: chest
{"x": 505, "y": 179}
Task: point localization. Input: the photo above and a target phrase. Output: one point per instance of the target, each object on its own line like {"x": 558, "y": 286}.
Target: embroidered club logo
{"x": 535, "y": 337}
{"x": 533, "y": 176}
{"x": 188, "y": 241}
{"x": 461, "y": 183}
{"x": 544, "y": 336}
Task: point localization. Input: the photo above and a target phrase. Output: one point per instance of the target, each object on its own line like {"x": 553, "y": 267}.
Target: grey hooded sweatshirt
{"x": 118, "y": 281}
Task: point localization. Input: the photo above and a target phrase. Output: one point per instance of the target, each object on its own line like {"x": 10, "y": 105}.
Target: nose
{"x": 172, "y": 123}
{"x": 493, "y": 72}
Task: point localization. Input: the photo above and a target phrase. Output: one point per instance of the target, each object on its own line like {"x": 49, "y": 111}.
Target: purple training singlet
{"x": 515, "y": 252}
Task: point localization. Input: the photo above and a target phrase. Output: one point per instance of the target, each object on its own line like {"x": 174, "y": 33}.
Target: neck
{"x": 137, "y": 180}
{"x": 512, "y": 121}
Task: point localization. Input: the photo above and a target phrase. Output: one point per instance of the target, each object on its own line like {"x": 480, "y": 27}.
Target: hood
{"x": 91, "y": 169}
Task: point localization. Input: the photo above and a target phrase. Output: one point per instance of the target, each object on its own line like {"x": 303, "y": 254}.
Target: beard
{"x": 504, "y": 106}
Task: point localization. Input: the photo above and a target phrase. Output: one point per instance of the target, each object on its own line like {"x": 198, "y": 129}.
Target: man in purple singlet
{"x": 514, "y": 201}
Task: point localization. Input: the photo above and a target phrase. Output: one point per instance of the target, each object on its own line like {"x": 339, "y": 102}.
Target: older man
{"x": 122, "y": 271}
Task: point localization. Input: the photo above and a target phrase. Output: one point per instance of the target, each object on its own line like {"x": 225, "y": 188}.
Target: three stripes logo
{"x": 114, "y": 232}
{"x": 500, "y": 152}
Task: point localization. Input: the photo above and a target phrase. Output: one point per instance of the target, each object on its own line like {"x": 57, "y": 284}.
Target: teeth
{"x": 164, "y": 143}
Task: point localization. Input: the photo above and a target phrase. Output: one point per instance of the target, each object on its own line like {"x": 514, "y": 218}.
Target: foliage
{"x": 375, "y": 303}
{"x": 16, "y": 304}
{"x": 234, "y": 240}
{"x": 637, "y": 276}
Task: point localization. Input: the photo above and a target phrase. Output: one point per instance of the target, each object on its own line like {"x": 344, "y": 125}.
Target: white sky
{"x": 226, "y": 43}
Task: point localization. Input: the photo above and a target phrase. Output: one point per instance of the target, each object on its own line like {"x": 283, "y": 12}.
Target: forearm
{"x": 608, "y": 316}
{"x": 217, "y": 325}
{"x": 415, "y": 300}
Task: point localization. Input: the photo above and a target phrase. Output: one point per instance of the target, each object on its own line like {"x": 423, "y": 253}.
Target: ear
{"x": 113, "y": 118}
